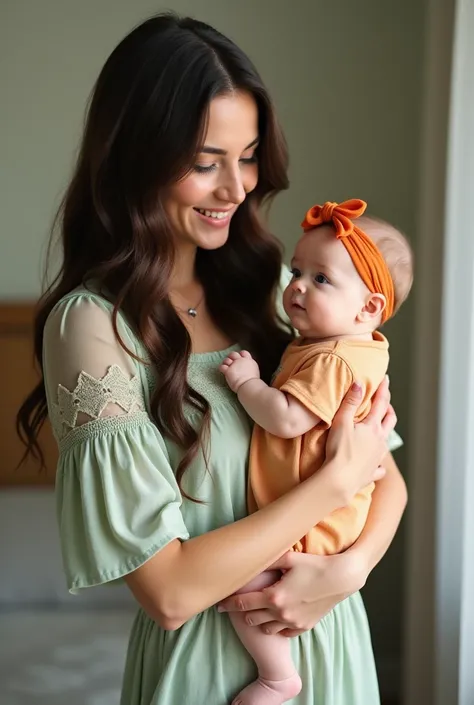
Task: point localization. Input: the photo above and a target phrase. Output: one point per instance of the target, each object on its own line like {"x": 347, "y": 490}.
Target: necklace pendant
{"x": 192, "y": 312}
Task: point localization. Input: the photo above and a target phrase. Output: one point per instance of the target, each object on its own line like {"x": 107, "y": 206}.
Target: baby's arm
{"x": 278, "y": 413}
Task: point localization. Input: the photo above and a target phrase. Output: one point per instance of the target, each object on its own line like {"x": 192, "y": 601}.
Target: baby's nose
{"x": 298, "y": 285}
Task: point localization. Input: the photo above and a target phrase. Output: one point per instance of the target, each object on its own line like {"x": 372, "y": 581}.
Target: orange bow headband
{"x": 366, "y": 257}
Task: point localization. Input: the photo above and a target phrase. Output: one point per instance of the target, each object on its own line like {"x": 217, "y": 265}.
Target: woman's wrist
{"x": 336, "y": 481}
{"x": 358, "y": 566}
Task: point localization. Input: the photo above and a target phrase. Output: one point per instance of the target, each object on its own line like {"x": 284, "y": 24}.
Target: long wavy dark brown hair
{"x": 145, "y": 125}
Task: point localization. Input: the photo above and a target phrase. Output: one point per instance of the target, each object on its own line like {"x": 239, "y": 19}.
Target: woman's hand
{"x": 354, "y": 452}
{"x": 310, "y": 587}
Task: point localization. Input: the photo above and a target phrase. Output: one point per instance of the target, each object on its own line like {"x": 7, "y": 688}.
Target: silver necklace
{"x": 192, "y": 310}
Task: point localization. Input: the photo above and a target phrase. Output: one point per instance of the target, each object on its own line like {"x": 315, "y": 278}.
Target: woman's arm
{"x": 183, "y": 579}
{"x": 313, "y": 585}
{"x": 389, "y": 500}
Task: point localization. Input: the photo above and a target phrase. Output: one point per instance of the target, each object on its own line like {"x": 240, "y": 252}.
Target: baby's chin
{"x": 315, "y": 333}
{"x": 308, "y": 329}
{"x": 312, "y": 334}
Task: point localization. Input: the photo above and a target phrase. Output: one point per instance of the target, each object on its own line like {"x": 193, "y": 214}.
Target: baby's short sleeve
{"x": 320, "y": 384}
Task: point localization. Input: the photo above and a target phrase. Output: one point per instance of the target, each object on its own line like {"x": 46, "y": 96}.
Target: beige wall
{"x": 346, "y": 78}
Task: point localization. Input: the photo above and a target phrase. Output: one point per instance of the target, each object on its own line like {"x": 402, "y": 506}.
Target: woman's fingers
{"x": 244, "y": 602}
{"x": 292, "y": 632}
{"x": 380, "y": 403}
{"x": 389, "y": 421}
{"x": 349, "y": 405}
{"x": 255, "y": 618}
{"x": 273, "y": 627}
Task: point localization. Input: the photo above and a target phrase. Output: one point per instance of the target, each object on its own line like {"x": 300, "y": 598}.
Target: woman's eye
{"x": 201, "y": 169}
{"x": 321, "y": 279}
{"x": 249, "y": 160}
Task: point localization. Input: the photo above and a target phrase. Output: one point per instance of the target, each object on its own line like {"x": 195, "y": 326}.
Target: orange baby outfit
{"x": 318, "y": 375}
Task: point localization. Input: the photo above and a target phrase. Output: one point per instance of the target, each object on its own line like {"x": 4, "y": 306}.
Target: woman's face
{"x": 201, "y": 205}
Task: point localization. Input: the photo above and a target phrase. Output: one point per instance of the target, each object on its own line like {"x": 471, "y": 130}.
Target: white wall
{"x": 346, "y": 78}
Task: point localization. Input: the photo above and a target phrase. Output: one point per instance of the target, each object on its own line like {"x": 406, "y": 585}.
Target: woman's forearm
{"x": 185, "y": 578}
{"x": 388, "y": 504}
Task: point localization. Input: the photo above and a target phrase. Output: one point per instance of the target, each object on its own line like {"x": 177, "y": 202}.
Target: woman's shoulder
{"x": 83, "y": 299}
{"x": 85, "y": 310}
{"x": 81, "y": 325}
{"x": 87, "y": 366}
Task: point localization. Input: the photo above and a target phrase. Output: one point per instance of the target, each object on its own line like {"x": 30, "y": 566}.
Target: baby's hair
{"x": 396, "y": 251}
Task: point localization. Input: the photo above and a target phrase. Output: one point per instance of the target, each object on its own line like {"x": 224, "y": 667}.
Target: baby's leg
{"x": 277, "y": 679}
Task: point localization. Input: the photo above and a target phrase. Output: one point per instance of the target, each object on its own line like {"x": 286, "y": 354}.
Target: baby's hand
{"x": 238, "y": 368}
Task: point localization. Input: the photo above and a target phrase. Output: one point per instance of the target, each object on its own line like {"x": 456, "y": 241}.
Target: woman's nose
{"x": 232, "y": 188}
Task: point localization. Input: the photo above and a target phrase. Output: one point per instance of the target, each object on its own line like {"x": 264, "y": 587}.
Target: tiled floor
{"x": 62, "y": 658}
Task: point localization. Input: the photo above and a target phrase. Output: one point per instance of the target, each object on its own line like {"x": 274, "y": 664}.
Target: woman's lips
{"x": 217, "y": 221}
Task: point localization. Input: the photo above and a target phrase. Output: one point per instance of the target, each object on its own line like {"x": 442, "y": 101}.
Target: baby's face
{"x": 326, "y": 293}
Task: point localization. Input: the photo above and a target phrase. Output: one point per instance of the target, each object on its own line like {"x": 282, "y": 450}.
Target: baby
{"x": 351, "y": 273}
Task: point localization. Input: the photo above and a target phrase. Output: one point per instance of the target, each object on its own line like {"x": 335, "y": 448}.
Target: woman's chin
{"x": 213, "y": 241}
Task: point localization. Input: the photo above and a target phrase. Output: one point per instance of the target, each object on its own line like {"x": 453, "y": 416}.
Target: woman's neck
{"x": 183, "y": 276}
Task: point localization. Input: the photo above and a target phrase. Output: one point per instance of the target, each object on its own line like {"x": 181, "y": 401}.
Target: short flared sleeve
{"x": 118, "y": 501}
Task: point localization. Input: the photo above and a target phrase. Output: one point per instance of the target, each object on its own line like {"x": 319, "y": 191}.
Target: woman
{"x": 167, "y": 267}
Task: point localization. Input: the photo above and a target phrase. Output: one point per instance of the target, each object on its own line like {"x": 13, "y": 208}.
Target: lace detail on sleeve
{"x": 91, "y": 396}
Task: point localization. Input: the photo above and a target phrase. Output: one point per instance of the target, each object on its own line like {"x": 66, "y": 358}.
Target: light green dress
{"x": 118, "y": 504}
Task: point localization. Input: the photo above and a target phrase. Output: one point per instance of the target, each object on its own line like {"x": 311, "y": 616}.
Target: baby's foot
{"x": 267, "y": 692}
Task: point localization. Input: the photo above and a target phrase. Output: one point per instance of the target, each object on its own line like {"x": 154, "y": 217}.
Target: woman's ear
{"x": 373, "y": 308}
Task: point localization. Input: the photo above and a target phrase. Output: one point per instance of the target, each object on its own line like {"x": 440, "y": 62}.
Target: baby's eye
{"x": 321, "y": 279}
{"x": 296, "y": 273}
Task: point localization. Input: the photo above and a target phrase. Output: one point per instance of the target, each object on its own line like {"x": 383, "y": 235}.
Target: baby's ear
{"x": 373, "y": 308}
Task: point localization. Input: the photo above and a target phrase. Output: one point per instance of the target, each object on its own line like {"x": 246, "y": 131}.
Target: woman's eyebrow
{"x": 217, "y": 150}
